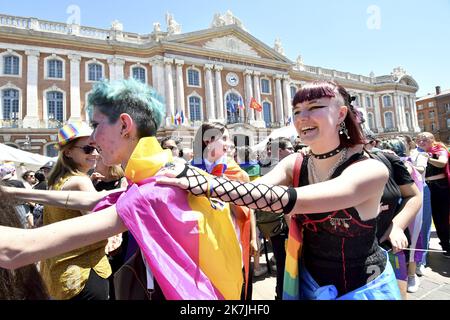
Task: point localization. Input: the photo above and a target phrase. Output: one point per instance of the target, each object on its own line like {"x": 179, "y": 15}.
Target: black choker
{"x": 327, "y": 154}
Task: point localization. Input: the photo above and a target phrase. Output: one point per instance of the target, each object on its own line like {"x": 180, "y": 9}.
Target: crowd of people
{"x": 347, "y": 215}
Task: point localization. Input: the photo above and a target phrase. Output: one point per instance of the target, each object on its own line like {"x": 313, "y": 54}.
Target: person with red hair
{"x": 332, "y": 195}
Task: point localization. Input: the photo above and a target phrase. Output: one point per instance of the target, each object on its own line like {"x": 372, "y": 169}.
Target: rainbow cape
{"x": 190, "y": 247}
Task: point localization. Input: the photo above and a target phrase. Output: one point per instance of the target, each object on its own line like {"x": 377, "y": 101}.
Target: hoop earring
{"x": 343, "y": 129}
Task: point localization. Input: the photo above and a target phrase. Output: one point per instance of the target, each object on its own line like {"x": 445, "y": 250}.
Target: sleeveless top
{"x": 66, "y": 275}
{"x": 338, "y": 247}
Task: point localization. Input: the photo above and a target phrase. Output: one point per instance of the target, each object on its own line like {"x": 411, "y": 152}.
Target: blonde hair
{"x": 116, "y": 172}
{"x": 64, "y": 166}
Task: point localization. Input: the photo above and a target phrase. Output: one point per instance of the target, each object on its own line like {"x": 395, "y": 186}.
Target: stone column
{"x": 209, "y": 93}
{"x": 287, "y": 97}
{"x": 157, "y": 67}
{"x": 169, "y": 94}
{"x": 248, "y": 94}
{"x": 180, "y": 87}
{"x": 75, "y": 99}
{"x": 377, "y": 111}
{"x": 259, "y": 122}
{"x": 413, "y": 108}
{"x": 279, "y": 100}
{"x": 31, "y": 119}
{"x": 219, "y": 93}
{"x": 116, "y": 68}
{"x": 400, "y": 110}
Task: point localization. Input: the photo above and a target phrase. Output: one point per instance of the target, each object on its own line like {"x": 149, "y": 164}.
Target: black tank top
{"x": 338, "y": 247}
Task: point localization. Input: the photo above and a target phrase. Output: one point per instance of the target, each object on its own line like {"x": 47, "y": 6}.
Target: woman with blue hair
{"x": 189, "y": 247}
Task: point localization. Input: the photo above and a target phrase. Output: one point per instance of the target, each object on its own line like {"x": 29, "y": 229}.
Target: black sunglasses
{"x": 87, "y": 149}
{"x": 171, "y": 147}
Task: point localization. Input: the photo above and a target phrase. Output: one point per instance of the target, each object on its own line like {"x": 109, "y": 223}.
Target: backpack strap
{"x": 297, "y": 168}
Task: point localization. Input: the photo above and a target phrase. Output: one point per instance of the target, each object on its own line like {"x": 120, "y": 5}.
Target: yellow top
{"x": 66, "y": 275}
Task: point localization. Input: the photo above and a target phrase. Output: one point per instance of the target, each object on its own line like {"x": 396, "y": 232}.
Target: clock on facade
{"x": 232, "y": 79}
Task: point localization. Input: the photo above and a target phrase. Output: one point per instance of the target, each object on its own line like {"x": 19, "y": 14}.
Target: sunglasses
{"x": 87, "y": 149}
{"x": 170, "y": 147}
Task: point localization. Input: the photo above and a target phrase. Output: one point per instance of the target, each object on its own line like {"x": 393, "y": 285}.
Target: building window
{"x": 10, "y": 104}
{"x": 51, "y": 151}
{"x": 420, "y": 116}
{"x": 430, "y": 104}
{"x": 139, "y": 74}
{"x": 11, "y": 65}
{"x": 293, "y": 91}
{"x": 419, "y": 106}
{"x": 265, "y": 86}
{"x": 386, "y": 101}
{"x": 447, "y": 108}
{"x": 370, "y": 120}
{"x": 232, "y": 104}
{"x": 433, "y": 126}
{"x": 431, "y": 114}
{"x": 368, "y": 102}
{"x": 55, "y": 106}
{"x": 95, "y": 72}
{"x": 388, "y": 120}
{"x": 267, "y": 113}
{"x": 195, "y": 112}
{"x": 193, "y": 78}
{"x": 55, "y": 69}
{"x": 448, "y": 123}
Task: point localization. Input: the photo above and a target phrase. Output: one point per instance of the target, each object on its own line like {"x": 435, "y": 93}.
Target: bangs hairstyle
{"x": 130, "y": 96}
{"x": 329, "y": 89}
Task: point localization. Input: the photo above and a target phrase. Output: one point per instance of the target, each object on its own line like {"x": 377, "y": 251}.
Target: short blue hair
{"x": 144, "y": 105}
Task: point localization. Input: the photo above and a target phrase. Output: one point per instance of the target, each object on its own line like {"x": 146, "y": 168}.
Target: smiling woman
{"x": 332, "y": 250}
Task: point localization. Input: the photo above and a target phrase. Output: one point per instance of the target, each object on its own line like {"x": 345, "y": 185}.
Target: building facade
{"x": 47, "y": 70}
{"x": 433, "y": 113}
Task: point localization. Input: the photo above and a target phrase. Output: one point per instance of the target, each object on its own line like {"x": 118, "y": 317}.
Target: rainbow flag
{"x": 190, "y": 247}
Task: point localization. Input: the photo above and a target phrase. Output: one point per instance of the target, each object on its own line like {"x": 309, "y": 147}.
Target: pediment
{"x": 229, "y": 39}
{"x": 231, "y": 44}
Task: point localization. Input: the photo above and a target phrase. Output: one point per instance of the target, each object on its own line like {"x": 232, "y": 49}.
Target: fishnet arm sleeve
{"x": 277, "y": 199}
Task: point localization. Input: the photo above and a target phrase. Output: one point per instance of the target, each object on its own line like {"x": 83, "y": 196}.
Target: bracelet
{"x": 67, "y": 199}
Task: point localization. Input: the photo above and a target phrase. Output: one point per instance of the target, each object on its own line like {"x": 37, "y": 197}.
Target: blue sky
{"x": 357, "y": 36}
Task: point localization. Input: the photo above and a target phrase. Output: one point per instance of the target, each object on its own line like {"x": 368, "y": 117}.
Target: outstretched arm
{"x": 77, "y": 200}
{"x": 20, "y": 247}
{"x": 360, "y": 184}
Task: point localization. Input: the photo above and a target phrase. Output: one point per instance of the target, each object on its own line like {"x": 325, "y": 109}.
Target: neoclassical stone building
{"x": 47, "y": 70}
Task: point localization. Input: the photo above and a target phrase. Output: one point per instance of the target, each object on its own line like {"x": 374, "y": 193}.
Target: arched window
{"x": 388, "y": 120}
{"x": 10, "y": 104}
{"x": 50, "y": 150}
{"x": 11, "y": 65}
{"x": 193, "y": 78}
{"x": 55, "y": 106}
{"x": 232, "y": 104}
{"x": 139, "y": 74}
{"x": 267, "y": 113}
{"x": 370, "y": 120}
{"x": 387, "y": 101}
{"x": 95, "y": 72}
{"x": 55, "y": 68}
{"x": 195, "y": 113}
{"x": 368, "y": 102}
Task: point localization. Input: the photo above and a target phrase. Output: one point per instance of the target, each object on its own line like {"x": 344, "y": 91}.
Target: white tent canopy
{"x": 32, "y": 160}
{"x": 287, "y": 132}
